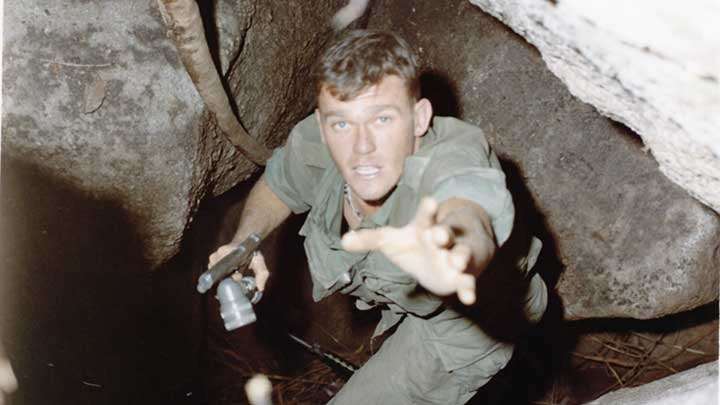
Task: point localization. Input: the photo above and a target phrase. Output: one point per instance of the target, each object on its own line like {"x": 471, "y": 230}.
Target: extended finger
{"x": 441, "y": 235}
{"x": 466, "y": 288}
{"x": 259, "y": 267}
{"x": 364, "y": 239}
{"x": 221, "y": 252}
{"x": 425, "y": 215}
{"x": 460, "y": 256}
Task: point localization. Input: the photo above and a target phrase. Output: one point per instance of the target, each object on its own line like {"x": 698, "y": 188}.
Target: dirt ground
{"x": 559, "y": 363}
{"x": 615, "y": 354}
{"x": 80, "y": 329}
{"x": 605, "y": 356}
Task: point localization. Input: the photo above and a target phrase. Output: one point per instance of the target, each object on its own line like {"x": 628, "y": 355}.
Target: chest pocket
{"x": 329, "y": 265}
{"x": 384, "y": 278}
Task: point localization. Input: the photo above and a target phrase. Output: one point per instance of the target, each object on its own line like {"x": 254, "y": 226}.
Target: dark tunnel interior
{"x": 84, "y": 320}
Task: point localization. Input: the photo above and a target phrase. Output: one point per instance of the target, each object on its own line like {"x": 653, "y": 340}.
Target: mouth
{"x": 366, "y": 171}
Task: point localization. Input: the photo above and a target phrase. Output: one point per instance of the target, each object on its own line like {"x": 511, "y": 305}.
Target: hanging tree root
{"x": 183, "y": 18}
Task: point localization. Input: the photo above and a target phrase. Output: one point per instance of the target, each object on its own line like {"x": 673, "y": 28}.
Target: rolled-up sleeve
{"x": 466, "y": 169}
{"x": 485, "y": 187}
{"x": 289, "y": 174}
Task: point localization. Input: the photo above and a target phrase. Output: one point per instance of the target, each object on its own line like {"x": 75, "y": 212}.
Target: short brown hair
{"x": 362, "y": 58}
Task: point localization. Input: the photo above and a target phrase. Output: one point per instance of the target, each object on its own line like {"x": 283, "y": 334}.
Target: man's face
{"x": 370, "y": 136}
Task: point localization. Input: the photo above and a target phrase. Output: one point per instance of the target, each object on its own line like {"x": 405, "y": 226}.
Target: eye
{"x": 339, "y": 125}
{"x": 384, "y": 119}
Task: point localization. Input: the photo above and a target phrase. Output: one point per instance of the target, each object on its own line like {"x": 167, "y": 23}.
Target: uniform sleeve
{"x": 290, "y": 174}
{"x": 467, "y": 169}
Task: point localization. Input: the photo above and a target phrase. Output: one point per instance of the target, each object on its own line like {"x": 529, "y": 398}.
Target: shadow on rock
{"x": 442, "y": 93}
{"x": 77, "y": 296}
{"x": 542, "y": 350}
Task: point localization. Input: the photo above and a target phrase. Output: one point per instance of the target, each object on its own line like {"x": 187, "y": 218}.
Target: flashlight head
{"x": 236, "y": 309}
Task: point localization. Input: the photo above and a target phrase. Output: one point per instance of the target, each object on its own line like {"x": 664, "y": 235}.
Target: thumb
{"x": 362, "y": 240}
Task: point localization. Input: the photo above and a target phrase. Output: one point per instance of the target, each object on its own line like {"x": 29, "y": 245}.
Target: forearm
{"x": 470, "y": 226}
{"x": 263, "y": 212}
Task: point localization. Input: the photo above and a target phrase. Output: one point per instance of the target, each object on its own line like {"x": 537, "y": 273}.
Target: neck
{"x": 359, "y": 206}
{"x": 366, "y": 208}
{"x": 417, "y": 143}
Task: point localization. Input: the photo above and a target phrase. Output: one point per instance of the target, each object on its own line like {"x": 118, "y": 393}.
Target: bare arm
{"x": 263, "y": 212}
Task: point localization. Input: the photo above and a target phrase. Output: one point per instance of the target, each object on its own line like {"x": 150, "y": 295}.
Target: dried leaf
{"x": 94, "y": 95}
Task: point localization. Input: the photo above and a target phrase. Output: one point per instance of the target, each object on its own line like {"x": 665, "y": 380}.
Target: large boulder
{"x": 651, "y": 65}
{"x": 102, "y": 103}
{"x": 698, "y": 385}
{"x": 631, "y": 242}
{"x": 106, "y": 155}
{"x": 95, "y": 96}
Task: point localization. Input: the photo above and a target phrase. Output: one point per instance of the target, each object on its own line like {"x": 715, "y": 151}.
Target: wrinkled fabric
{"x": 454, "y": 160}
{"x": 408, "y": 370}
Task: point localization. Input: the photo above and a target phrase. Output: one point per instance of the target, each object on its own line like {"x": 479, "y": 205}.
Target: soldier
{"x": 405, "y": 211}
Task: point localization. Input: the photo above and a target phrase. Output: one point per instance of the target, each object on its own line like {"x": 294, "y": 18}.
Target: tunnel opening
{"x": 87, "y": 319}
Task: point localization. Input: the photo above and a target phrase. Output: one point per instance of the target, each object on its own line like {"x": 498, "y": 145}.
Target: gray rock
{"x": 270, "y": 74}
{"x": 697, "y": 386}
{"x": 651, "y": 66}
{"x": 632, "y": 243}
{"x": 95, "y": 96}
{"x": 136, "y": 145}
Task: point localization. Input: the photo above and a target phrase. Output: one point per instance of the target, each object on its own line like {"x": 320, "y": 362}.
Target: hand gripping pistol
{"x": 236, "y": 297}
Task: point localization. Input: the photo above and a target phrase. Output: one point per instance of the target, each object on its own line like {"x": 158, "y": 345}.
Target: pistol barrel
{"x": 229, "y": 263}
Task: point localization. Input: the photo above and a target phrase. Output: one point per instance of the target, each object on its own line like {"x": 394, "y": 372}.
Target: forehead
{"x": 391, "y": 90}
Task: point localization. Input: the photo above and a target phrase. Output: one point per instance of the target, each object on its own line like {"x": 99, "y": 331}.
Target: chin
{"x": 373, "y": 195}
{"x": 373, "y": 190}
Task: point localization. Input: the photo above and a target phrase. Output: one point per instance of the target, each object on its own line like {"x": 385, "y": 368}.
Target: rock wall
{"x": 92, "y": 99}
{"x": 652, "y": 65}
{"x": 628, "y": 242}
{"x": 94, "y": 95}
{"x": 698, "y": 385}
{"x": 106, "y": 155}
{"x": 103, "y": 104}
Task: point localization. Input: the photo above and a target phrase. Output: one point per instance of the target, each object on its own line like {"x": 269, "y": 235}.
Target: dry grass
{"x": 633, "y": 358}
{"x": 599, "y": 362}
{"x": 315, "y": 383}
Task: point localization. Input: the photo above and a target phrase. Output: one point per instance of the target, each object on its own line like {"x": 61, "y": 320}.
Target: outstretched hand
{"x": 424, "y": 249}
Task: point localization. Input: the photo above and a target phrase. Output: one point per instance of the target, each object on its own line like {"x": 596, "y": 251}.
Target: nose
{"x": 364, "y": 141}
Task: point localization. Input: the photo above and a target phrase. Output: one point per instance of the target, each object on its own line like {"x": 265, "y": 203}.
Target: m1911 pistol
{"x": 236, "y": 297}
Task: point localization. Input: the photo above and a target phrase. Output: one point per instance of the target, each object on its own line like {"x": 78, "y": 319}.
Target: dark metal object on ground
{"x": 331, "y": 359}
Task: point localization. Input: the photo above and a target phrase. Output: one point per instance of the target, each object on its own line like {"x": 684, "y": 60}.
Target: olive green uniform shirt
{"x": 454, "y": 160}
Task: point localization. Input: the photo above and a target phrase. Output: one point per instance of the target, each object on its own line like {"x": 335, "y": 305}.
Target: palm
{"x": 421, "y": 249}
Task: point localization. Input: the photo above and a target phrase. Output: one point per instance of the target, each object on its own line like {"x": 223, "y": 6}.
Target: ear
{"x": 423, "y": 115}
{"x": 318, "y": 118}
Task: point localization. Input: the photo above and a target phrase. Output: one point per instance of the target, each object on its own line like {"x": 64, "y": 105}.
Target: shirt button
{"x": 345, "y": 278}
{"x": 371, "y": 283}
